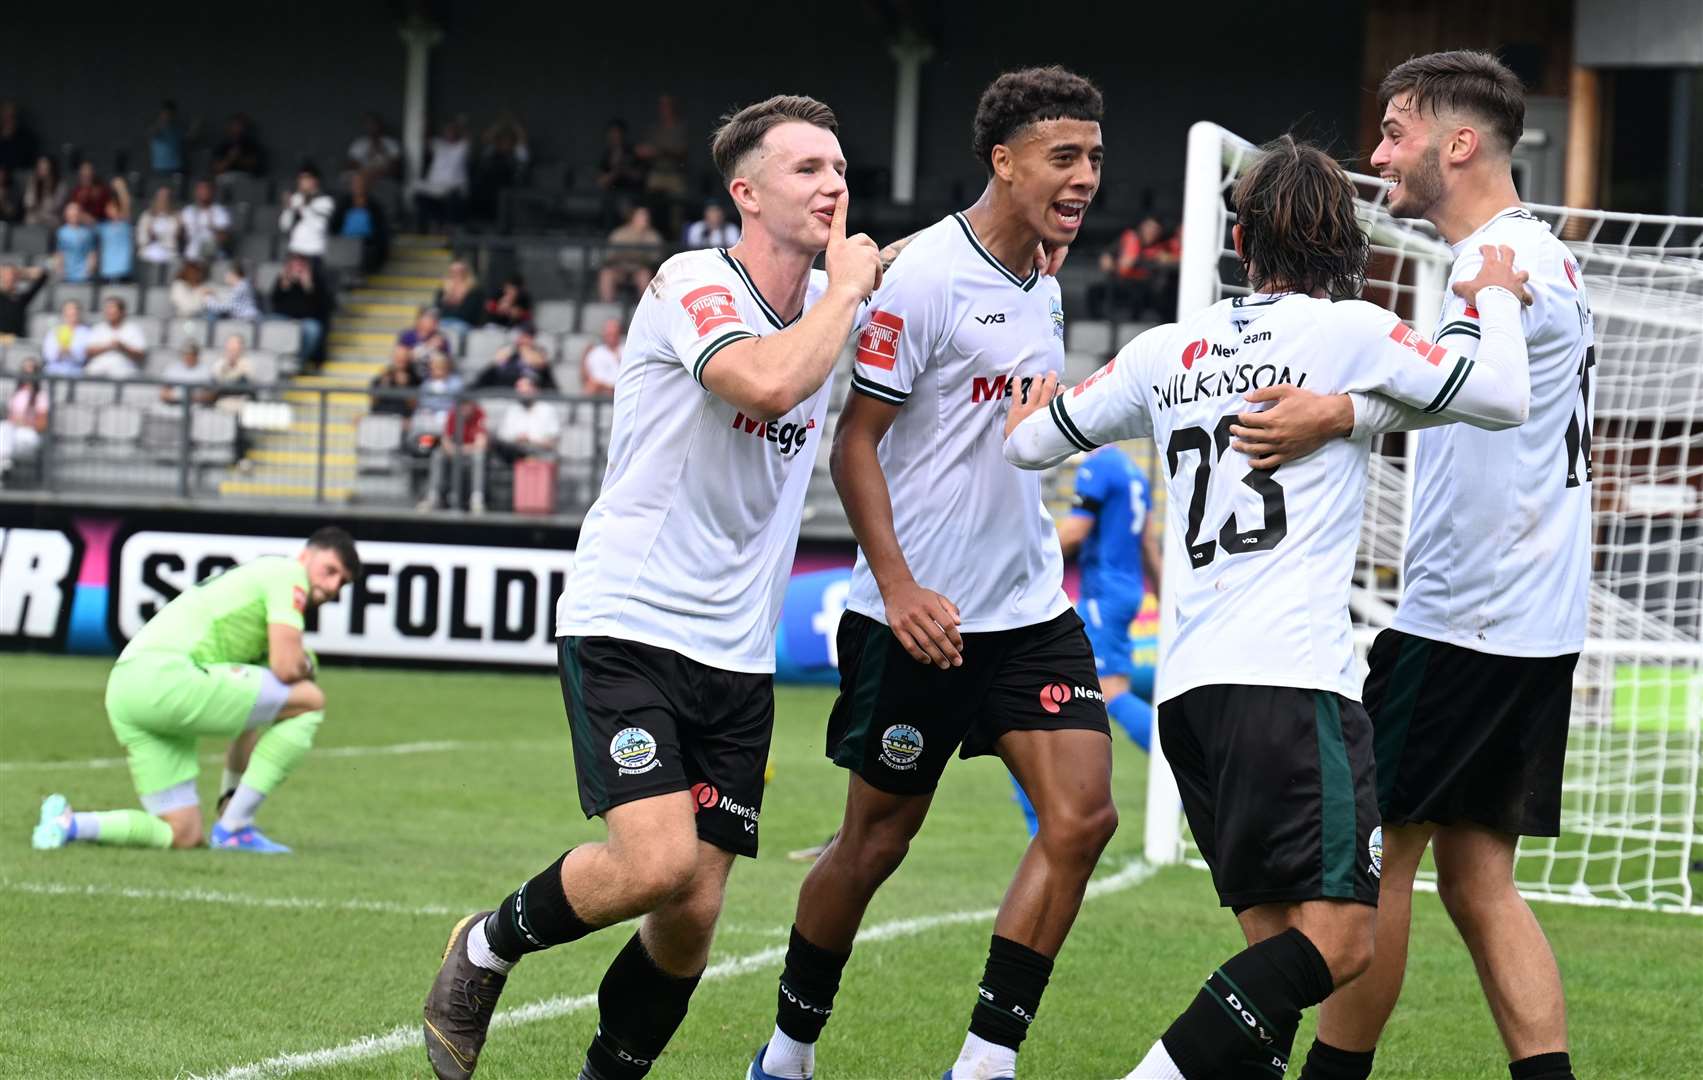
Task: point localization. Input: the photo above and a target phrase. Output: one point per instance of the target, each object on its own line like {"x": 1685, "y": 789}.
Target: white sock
{"x": 1157, "y": 1065}
{"x": 479, "y": 951}
{"x": 982, "y": 1060}
{"x": 85, "y": 827}
{"x": 239, "y": 812}
{"x": 789, "y": 1059}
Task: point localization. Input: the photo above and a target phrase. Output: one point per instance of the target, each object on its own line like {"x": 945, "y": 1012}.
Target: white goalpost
{"x": 1632, "y": 804}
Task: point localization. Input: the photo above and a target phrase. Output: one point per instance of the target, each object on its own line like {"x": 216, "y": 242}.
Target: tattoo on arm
{"x": 891, "y": 251}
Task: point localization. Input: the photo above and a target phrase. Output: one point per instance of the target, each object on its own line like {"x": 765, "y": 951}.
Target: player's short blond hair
{"x": 741, "y": 132}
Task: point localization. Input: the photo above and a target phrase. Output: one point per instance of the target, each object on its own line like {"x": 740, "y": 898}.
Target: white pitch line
{"x": 214, "y": 896}
{"x": 407, "y": 1036}
{"x": 433, "y": 747}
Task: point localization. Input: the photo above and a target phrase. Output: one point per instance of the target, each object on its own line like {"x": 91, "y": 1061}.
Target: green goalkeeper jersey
{"x": 224, "y": 619}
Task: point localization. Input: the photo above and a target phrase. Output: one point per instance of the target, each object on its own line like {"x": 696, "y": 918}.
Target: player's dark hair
{"x": 1461, "y": 80}
{"x": 1028, "y": 96}
{"x": 1296, "y": 208}
{"x": 332, "y": 538}
{"x": 740, "y": 132}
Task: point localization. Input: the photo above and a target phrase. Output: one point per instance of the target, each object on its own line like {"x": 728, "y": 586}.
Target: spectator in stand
{"x": 15, "y": 305}
{"x": 238, "y": 154}
{"x": 117, "y": 245}
{"x": 18, "y": 144}
{"x": 460, "y": 450}
{"x": 234, "y": 371}
{"x": 621, "y": 175}
{"x": 75, "y": 245}
{"x": 388, "y": 384}
{"x": 503, "y": 159}
{"x": 300, "y": 294}
{"x": 358, "y": 215}
{"x": 160, "y": 229}
{"x": 65, "y": 346}
{"x": 634, "y": 253}
{"x": 188, "y": 372}
{"x": 1140, "y": 272}
{"x": 91, "y": 193}
{"x": 512, "y": 306}
{"x": 234, "y": 385}
{"x": 306, "y": 217}
{"x": 524, "y": 357}
{"x": 116, "y": 346}
{"x": 26, "y": 417}
{"x": 714, "y": 231}
{"x": 165, "y": 141}
{"x": 190, "y": 291}
{"x": 528, "y": 427}
{"x": 436, "y": 400}
{"x": 601, "y": 362}
{"x": 237, "y": 300}
{"x": 664, "y": 150}
{"x": 460, "y": 303}
{"x": 375, "y": 155}
{"x": 440, "y": 197}
{"x": 11, "y": 199}
{"x": 45, "y": 194}
{"x": 206, "y": 225}
{"x": 425, "y": 338}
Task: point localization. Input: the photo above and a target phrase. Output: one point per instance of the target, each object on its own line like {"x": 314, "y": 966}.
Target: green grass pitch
{"x": 161, "y": 964}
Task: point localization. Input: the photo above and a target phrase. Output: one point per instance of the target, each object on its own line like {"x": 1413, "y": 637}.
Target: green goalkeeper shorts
{"x": 160, "y": 705}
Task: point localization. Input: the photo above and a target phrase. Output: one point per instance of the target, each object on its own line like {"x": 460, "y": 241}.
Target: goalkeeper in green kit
{"x": 223, "y": 659}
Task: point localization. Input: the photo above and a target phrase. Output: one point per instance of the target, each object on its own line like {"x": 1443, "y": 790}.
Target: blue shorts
{"x": 1107, "y": 622}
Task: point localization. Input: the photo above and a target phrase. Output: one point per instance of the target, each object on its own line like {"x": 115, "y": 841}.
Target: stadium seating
{"x": 280, "y": 336}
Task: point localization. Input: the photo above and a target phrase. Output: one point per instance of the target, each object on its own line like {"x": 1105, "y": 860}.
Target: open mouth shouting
{"x": 1067, "y": 213}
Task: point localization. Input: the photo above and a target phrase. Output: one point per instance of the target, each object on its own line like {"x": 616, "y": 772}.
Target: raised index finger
{"x": 837, "y": 227}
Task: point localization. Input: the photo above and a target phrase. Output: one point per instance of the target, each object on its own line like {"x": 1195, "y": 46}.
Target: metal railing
{"x": 148, "y": 439}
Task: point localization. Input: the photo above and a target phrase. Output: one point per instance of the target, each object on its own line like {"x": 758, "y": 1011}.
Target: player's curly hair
{"x": 741, "y": 131}
{"x": 1299, "y": 231}
{"x": 1462, "y": 80}
{"x": 1029, "y": 96}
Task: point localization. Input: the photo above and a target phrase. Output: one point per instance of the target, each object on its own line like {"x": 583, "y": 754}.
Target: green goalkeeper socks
{"x": 121, "y": 828}
{"x": 280, "y": 750}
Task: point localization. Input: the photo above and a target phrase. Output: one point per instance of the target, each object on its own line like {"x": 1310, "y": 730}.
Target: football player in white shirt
{"x": 1470, "y": 690}
{"x": 958, "y": 635}
{"x": 666, "y": 625}
{"x": 1258, "y": 709}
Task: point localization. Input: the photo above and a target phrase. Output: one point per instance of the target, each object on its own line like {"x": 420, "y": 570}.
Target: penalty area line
{"x": 408, "y": 1036}
{"x": 216, "y": 896}
{"x": 381, "y": 750}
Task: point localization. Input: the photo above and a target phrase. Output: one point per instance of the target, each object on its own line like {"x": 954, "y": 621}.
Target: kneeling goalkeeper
{"x": 224, "y": 659}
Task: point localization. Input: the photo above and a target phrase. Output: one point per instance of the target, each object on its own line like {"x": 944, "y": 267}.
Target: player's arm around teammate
{"x": 1299, "y": 421}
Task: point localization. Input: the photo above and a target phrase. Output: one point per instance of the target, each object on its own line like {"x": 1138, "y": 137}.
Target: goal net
{"x": 1631, "y": 795}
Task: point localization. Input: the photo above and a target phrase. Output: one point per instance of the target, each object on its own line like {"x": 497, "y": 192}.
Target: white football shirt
{"x": 1499, "y": 549}
{"x": 948, "y": 337}
{"x": 1263, "y": 599}
{"x": 689, "y": 545}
